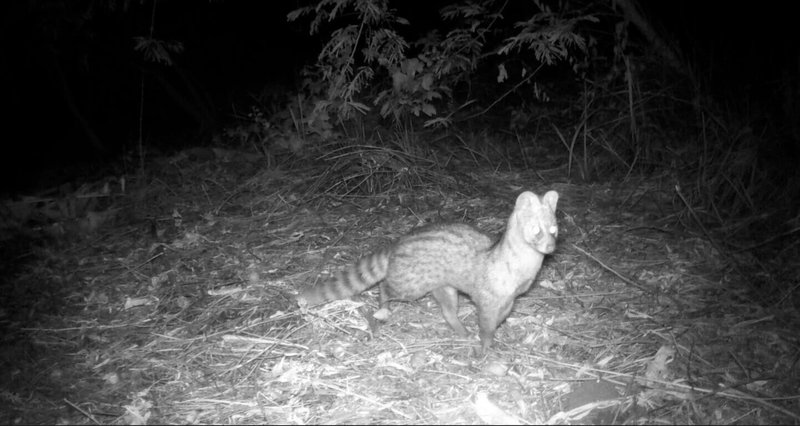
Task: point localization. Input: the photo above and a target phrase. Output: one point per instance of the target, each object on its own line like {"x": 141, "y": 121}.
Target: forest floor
{"x": 175, "y": 303}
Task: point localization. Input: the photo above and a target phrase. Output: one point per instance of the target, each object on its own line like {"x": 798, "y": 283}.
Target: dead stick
{"x": 609, "y": 269}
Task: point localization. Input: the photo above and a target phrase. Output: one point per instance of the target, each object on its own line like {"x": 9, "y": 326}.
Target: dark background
{"x": 235, "y": 50}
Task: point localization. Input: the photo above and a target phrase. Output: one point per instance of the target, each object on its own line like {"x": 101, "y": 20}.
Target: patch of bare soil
{"x": 180, "y": 308}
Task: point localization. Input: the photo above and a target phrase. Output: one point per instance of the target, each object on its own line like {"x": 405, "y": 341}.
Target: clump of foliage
{"x": 366, "y": 42}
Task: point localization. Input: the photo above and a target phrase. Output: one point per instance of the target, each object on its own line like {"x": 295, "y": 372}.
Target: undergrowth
{"x": 570, "y": 86}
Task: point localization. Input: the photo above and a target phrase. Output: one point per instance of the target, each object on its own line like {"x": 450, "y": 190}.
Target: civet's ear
{"x": 527, "y": 200}
{"x": 551, "y": 199}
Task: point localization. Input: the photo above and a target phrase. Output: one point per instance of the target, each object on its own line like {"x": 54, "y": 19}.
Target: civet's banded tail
{"x": 351, "y": 280}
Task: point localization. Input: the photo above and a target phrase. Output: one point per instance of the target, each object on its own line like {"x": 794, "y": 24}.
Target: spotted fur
{"x": 443, "y": 259}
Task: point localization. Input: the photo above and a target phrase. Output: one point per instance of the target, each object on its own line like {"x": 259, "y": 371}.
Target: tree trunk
{"x": 632, "y": 12}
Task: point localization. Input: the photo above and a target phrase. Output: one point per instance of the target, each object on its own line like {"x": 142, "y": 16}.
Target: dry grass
{"x": 183, "y": 312}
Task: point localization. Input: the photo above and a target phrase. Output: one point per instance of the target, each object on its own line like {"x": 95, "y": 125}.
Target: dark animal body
{"x": 443, "y": 259}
